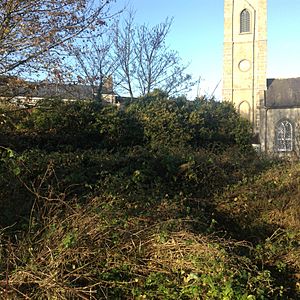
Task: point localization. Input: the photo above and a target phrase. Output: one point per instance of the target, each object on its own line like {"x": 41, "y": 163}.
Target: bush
{"x": 218, "y": 124}
{"x": 164, "y": 122}
{"x": 67, "y": 126}
{"x": 200, "y": 124}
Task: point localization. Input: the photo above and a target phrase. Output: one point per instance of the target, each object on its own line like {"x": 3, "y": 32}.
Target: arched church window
{"x": 245, "y": 21}
{"x": 244, "y": 109}
{"x": 284, "y": 136}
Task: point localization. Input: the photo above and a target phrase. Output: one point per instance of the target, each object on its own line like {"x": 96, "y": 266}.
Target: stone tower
{"x": 245, "y": 55}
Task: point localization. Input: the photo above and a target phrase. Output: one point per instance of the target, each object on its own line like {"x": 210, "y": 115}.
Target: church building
{"x": 271, "y": 105}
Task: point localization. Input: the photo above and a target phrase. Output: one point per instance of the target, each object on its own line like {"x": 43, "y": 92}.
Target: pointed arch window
{"x": 245, "y": 21}
{"x": 284, "y": 136}
{"x": 244, "y": 110}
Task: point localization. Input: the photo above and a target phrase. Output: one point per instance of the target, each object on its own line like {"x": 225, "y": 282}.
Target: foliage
{"x": 30, "y": 30}
{"x": 161, "y": 200}
{"x": 219, "y": 123}
{"x": 48, "y": 117}
{"x": 200, "y": 123}
{"x": 164, "y": 122}
{"x": 56, "y": 124}
{"x": 265, "y": 211}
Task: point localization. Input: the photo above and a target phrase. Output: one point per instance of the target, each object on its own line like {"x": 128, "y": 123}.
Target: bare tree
{"x": 93, "y": 62}
{"x": 31, "y": 29}
{"x": 146, "y": 62}
{"x": 124, "y": 50}
{"x": 135, "y": 56}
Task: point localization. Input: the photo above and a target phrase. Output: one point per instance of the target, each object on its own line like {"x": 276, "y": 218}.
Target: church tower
{"x": 245, "y": 56}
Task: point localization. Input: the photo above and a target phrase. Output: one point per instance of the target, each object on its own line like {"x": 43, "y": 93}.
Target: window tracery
{"x": 284, "y": 136}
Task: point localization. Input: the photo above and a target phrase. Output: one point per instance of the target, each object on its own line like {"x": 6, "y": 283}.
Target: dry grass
{"x": 110, "y": 245}
{"x": 85, "y": 252}
{"x": 184, "y": 251}
{"x": 273, "y": 198}
{"x": 271, "y": 203}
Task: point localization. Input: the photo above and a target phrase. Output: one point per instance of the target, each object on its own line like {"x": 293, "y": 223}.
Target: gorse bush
{"x": 62, "y": 117}
{"x": 128, "y": 172}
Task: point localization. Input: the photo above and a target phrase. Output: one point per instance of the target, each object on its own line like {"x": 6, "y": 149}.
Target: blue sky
{"x": 197, "y": 34}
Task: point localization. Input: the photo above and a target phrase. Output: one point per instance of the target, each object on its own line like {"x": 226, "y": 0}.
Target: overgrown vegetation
{"x": 164, "y": 199}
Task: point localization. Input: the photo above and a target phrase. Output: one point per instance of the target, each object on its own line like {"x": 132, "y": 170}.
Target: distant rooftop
{"x": 15, "y": 87}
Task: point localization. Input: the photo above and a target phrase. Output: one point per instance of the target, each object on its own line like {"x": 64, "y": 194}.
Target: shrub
{"x": 200, "y": 124}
